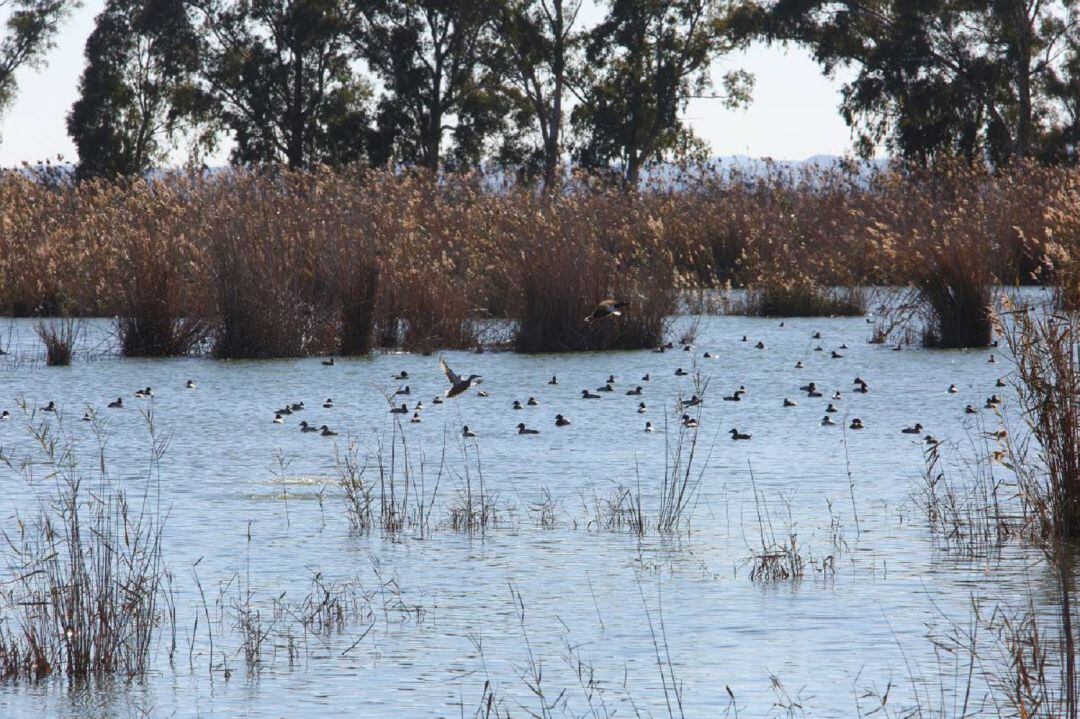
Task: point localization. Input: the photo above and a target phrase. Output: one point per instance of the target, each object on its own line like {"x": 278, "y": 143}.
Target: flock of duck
{"x": 460, "y": 384}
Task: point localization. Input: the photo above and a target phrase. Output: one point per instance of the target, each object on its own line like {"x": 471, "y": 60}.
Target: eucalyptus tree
{"x": 644, "y": 62}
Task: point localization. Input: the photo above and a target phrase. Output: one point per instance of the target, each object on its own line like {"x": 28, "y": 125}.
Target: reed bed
{"x": 252, "y": 264}
{"x": 86, "y": 594}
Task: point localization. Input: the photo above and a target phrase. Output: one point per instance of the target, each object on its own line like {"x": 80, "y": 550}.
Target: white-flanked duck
{"x": 561, "y": 421}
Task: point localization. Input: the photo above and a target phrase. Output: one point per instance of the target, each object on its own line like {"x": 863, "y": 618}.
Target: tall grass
{"x": 85, "y": 593}
{"x": 299, "y": 263}
{"x": 58, "y": 336}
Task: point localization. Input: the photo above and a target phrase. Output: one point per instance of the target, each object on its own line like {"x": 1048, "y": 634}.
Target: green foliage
{"x": 430, "y": 58}
{"x": 281, "y": 80}
{"x": 648, "y": 58}
{"x": 28, "y": 33}
{"x": 137, "y": 90}
{"x": 985, "y": 79}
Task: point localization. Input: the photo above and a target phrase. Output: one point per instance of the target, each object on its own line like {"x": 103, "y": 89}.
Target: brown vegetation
{"x": 302, "y": 263}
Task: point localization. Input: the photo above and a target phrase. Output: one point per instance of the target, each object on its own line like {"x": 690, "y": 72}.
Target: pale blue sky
{"x": 793, "y": 115}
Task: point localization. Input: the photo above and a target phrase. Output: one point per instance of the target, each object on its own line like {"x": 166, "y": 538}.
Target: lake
{"x": 433, "y": 615}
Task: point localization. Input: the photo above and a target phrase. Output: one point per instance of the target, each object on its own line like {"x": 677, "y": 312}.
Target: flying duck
{"x": 606, "y": 309}
{"x": 457, "y": 383}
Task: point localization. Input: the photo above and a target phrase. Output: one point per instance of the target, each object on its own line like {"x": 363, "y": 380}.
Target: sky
{"x": 793, "y": 115}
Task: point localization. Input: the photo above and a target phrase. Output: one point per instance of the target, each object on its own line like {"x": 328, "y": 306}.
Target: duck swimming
{"x": 482, "y": 393}
{"x": 688, "y": 421}
{"x": 789, "y": 403}
{"x": 402, "y": 375}
{"x": 466, "y": 432}
{"x": 437, "y": 400}
{"x": 992, "y": 360}
{"x": 645, "y": 378}
{"x": 694, "y": 401}
{"x": 190, "y": 384}
{"x": 917, "y": 429}
{"x": 561, "y": 421}
{"x": 118, "y": 403}
{"x": 680, "y": 372}
{"x": 328, "y": 404}
{"x": 416, "y": 419}
{"x": 305, "y": 427}
{"x": 953, "y": 389}
{"x": 404, "y": 390}
{"x": 810, "y": 387}
{"x": 707, "y": 355}
{"x": 553, "y": 380}
{"x": 517, "y": 404}
{"x": 419, "y": 405}
{"x": 328, "y": 362}
{"x": 522, "y": 429}
{"x": 837, "y": 396}
{"x": 586, "y": 394}
{"x": 87, "y": 417}
{"x": 760, "y": 345}
{"x": 970, "y": 409}
{"x": 278, "y": 419}
{"x": 836, "y": 355}
{"x": 532, "y": 402}
{"x": 736, "y": 434}
{"x": 649, "y": 427}
{"x": 799, "y": 365}
{"x": 1000, "y": 383}
{"x": 636, "y": 391}
{"x": 827, "y": 421}
{"x": 5, "y": 415}
{"x": 735, "y": 397}
{"x": 611, "y": 379}
{"x": 813, "y": 393}
{"x": 641, "y": 408}
{"x": 403, "y": 409}
{"x": 458, "y": 384}
{"x": 856, "y": 424}
{"x": 815, "y": 336}
{"x": 831, "y": 408}
{"x": 327, "y": 432}
{"x": 862, "y": 389}
{"x": 144, "y": 393}
{"x": 605, "y": 388}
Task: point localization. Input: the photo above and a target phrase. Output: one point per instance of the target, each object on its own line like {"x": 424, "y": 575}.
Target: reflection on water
{"x": 255, "y": 506}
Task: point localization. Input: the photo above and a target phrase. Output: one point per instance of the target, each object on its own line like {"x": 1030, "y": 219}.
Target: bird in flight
{"x": 605, "y": 310}
{"x": 458, "y": 384}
